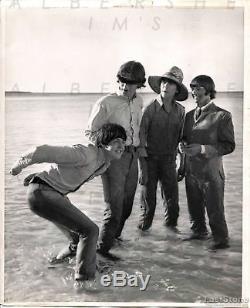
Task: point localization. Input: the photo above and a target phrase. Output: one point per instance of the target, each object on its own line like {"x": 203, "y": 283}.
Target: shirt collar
{"x": 203, "y": 108}
{"x": 125, "y": 98}
{"x": 160, "y": 101}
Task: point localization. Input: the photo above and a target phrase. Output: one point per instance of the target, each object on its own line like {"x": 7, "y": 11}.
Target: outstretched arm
{"x": 49, "y": 154}
{"x": 22, "y": 163}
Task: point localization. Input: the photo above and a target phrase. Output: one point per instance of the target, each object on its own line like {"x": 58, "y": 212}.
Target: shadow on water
{"x": 179, "y": 271}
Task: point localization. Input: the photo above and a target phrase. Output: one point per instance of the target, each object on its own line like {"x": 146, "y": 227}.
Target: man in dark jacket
{"x": 208, "y": 135}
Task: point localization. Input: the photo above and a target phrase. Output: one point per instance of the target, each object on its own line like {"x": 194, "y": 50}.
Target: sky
{"x": 81, "y": 50}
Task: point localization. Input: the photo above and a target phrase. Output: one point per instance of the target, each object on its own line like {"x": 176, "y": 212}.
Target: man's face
{"x": 126, "y": 89}
{"x": 168, "y": 88}
{"x": 115, "y": 148}
{"x": 198, "y": 93}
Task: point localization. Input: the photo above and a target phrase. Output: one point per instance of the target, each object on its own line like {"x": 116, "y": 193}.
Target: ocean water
{"x": 180, "y": 271}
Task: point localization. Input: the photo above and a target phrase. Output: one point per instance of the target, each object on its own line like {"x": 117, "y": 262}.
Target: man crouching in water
{"x": 47, "y": 190}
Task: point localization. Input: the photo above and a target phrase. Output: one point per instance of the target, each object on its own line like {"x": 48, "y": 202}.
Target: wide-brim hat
{"x": 175, "y": 74}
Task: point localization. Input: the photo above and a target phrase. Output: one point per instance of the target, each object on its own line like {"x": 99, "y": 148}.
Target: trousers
{"x": 162, "y": 169}
{"x": 207, "y": 194}
{"x": 53, "y": 206}
{"x": 119, "y": 187}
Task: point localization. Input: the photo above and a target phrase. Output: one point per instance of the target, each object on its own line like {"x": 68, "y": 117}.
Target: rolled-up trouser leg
{"x": 169, "y": 185}
{"x": 215, "y": 209}
{"x": 196, "y": 205}
{"x": 57, "y": 208}
{"x": 113, "y": 180}
{"x": 148, "y": 197}
{"x": 129, "y": 192}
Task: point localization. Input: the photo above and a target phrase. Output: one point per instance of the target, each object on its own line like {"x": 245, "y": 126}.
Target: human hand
{"x": 15, "y": 169}
{"x": 192, "y": 149}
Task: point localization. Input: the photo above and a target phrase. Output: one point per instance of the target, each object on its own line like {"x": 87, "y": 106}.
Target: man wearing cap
{"x": 208, "y": 135}
{"x": 120, "y": 180}
{"x": 160, "y": 133}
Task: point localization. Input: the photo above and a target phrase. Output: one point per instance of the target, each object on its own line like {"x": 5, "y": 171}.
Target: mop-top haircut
{"x": 109, "y": 132}
{"x": 205, "y": 82}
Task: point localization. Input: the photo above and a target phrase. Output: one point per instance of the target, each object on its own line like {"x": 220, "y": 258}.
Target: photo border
{"x": 246, "y": 148}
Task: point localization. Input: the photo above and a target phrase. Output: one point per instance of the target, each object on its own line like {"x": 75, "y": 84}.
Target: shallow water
{"x": 180, "y": 271}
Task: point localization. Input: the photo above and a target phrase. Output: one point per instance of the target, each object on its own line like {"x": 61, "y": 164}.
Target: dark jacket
{"x": 161, "y": 129}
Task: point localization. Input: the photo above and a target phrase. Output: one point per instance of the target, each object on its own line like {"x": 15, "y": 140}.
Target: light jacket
{"x": 74, "y": 165}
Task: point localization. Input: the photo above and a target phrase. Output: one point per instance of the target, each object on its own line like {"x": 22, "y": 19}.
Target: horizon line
{"x": 7, "y": 93}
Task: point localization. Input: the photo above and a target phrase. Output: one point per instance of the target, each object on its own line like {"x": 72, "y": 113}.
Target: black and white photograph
{"x": 123, "y": 153}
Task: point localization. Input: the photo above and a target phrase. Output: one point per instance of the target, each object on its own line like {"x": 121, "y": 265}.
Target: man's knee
{"x": 94, "y": 231}
{"x": 91, "y": 233}
{"x": 34, "y": 198}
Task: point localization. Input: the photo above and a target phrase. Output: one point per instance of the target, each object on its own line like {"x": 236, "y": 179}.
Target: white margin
{"x": 2, "y": 147}
{"x": 53, "y": 4}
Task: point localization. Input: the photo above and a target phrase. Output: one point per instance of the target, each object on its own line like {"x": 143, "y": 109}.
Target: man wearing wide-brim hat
{"x": 160, "y": 133}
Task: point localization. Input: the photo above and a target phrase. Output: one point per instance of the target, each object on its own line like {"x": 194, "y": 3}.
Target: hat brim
{"x": 155, "y": 82}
